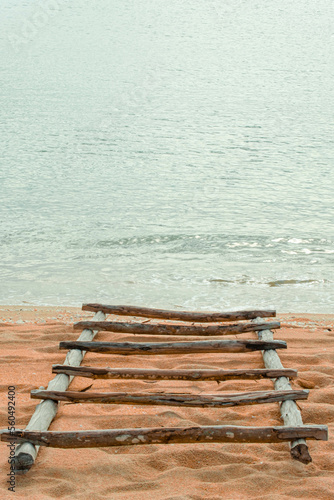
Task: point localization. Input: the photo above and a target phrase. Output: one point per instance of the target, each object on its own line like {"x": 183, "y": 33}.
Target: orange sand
{"x": 29, "y": 346}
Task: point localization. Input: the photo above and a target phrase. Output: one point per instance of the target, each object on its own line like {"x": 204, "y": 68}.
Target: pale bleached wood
{"x": 45, "y": 412}
{"x": 156, "y": 374}
{"x": 195, "y": 400}
{"x": 289, "y": 409}
{"x": 200, "y": 317}
{"x": 174, "y": 329}
{"x": 157, "y": 348}
{"x": 168, "y": 435}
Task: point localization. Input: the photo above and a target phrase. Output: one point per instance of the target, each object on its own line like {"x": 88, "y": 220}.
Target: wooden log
{"x": 289, "y": 410}
{"x": 201, "y": 317}
{"x": 45, "y": 412}
{"x": 194, "y": 400}
{"x": 155, "y": 348}
{"x": 167, "y": 435}
{"x": 150, "y": 374}
{"x": 173, "y": 329}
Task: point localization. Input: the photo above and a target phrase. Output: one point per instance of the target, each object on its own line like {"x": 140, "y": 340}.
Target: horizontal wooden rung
{"x": 167, "y": 435}
{"x": 174, "y": 329}
{"x": 194, "y": 400}
{"x": 201, "y": 317}
{"x": 155, "y": 348}
{"x": 150, "y": 374}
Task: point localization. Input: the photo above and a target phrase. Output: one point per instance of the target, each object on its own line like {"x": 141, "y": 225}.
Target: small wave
{"x": 246, "y": 280}
{"x": 219, "y": 281}
{"x": 294, "y": 282}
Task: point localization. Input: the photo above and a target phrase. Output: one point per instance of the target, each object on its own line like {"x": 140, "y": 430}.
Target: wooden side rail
{"x": 173, "y": 329}
{"x": 289, "y": 410}
{"x": 45, "y": 412}
{"x": 155, "y": 348}
{"x": 156, "y": 374}
{"x": 200, "y": 317}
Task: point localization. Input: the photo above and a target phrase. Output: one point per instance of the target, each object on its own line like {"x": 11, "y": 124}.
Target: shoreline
{"x": 30, "y": 312}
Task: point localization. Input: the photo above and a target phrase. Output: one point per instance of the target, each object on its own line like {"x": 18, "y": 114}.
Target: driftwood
{"x": 205, "y": 317}
{"x": 45, "y": 412}
{"x": 289, "y": 410}
{"x": 172, "y": 329}
{"x": 197, "y": 400}
{"x": 168, "y": 435}
{"x": 150, "y": 374}
{"x": 155, "y": 348}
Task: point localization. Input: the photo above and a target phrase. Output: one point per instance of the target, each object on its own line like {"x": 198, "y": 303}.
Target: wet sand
{"x": 29, "y": 338}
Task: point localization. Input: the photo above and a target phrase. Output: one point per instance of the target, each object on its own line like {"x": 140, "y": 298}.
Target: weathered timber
{"x": 289, "y": 410}
{"x": 201, "y": 317}
{"x": 150, "y": 374}
{"x": 155, "y": 348}
{"x": 194, "y": 400}
{"x": 45, "y": 412}
{"x": 167, "y": 435}
{"x": 173, "y": 329}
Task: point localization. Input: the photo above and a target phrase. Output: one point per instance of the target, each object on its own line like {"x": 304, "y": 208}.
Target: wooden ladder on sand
{"x": 293, "y": 431}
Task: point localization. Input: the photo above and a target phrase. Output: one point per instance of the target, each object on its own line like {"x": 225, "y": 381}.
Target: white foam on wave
{"x": 296, "y": 241}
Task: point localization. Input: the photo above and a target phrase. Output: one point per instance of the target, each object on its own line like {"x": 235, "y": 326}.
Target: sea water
{"x": 169, "y": 154}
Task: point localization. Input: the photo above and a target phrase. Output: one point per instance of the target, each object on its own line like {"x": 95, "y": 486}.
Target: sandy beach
{"x": 29, "y": 346}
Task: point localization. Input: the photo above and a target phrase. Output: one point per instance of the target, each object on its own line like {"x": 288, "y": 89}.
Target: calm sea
{"x": 167, "y": 153}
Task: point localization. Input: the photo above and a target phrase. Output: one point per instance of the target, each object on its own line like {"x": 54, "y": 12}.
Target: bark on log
{"x": 172, "y": 329}
{"x": 45, "y": 412}
{"x": 194, "y": 400}
{"x": 168, "y": 435}
{"x": 201, "y": 317}
{"x": 155, "y": 374}
{"x": 155, "y": 348}
{"x": 289, "y": 410}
